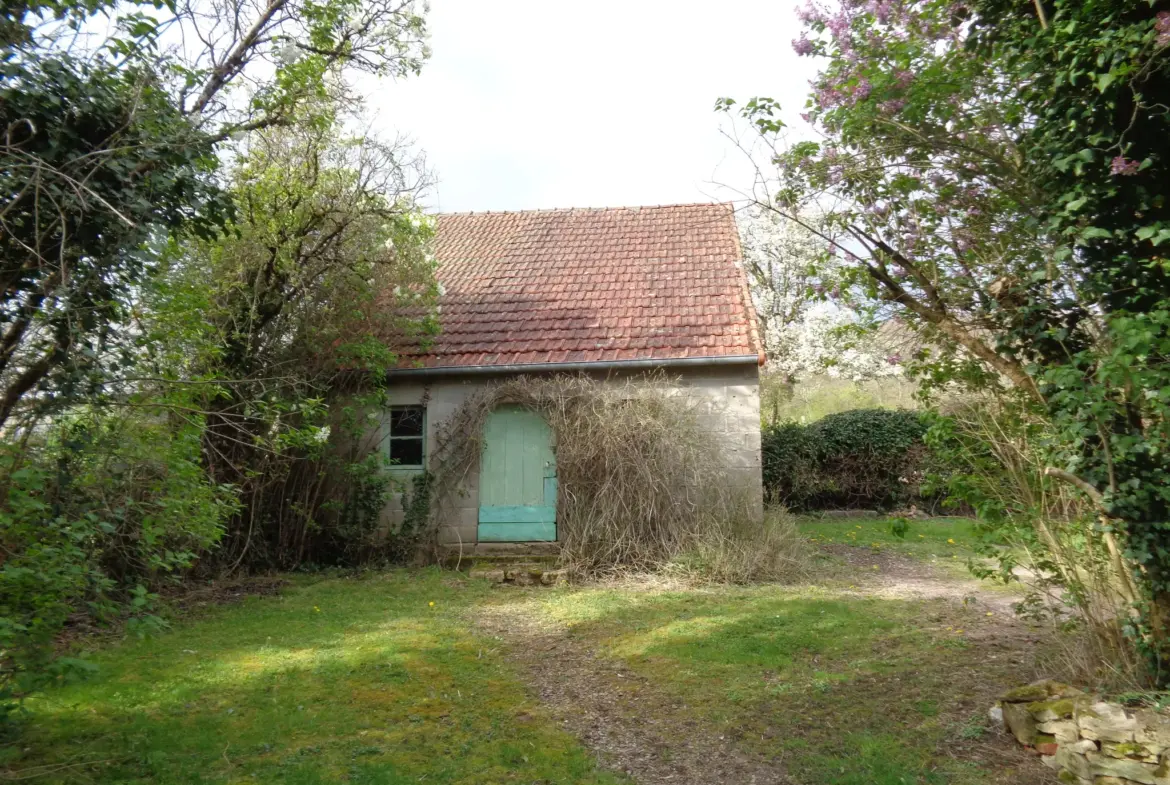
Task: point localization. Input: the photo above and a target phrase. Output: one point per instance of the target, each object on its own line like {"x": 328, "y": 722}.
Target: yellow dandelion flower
{"x": 951, "y": 541}
{"x": 431, "y": 603}
{"x": 989, "y": 613}
{"x": 922, "y": 536}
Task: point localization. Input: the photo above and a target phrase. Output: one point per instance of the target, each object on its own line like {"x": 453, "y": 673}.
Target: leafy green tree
{"x": 289, "y": 312}
{"x": 999, "y": 169}
{"x": 111, "y": 145}
{"x": 97, "y": 160}
{"x": 160, "y": 306}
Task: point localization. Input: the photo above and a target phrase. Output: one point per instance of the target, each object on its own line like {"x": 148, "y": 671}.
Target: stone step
{"x": 499, "y": 553}
{"x": 520, "y": 574}
{"x": 522, "y": 548}
{"x": 517, "y": 558}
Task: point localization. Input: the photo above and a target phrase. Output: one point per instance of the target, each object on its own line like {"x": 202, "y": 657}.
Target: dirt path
{"x": 632, "y": 727}
{"x": 904, "y": 578}
{"x": 635, "y": 728}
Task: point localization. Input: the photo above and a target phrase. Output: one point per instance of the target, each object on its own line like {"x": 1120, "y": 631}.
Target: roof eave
{"x": 572, "y": 367}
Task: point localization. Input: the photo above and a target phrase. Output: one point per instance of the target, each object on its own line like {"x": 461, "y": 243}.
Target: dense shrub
{"x": 871, "y": 458}
{"x": 94, "y": 514}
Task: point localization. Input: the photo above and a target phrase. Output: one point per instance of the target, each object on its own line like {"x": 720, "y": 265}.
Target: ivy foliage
{"x": 97, "y": 160}
{"x": 1096, "y": 76}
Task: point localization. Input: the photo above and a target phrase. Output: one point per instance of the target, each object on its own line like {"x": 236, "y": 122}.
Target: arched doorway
{"x": 517, "y": 478}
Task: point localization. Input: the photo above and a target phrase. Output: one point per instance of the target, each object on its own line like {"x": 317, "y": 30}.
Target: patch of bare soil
{"x": 632, "y": 727}
{"x": 185, "y": 598}
{"x": 902, "y": 577}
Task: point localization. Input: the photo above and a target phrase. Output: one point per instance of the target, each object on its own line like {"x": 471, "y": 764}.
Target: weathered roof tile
{"x": 556, "y": 286}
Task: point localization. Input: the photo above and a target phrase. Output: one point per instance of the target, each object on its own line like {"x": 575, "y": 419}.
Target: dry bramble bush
{"x": 642, "y": 487}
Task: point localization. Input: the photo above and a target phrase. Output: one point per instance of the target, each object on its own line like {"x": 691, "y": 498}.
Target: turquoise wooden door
{"x": 517, "y": 478}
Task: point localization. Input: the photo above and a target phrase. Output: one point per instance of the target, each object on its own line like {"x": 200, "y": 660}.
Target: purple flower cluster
{"x": 810, "y": 13}
{"x": 839, "y": 27}
{"x": 827, "y": 97}
{"x": 1162, "y": 25}
{"x": 802, "y": 46}
{"x": 1123, "y": 166}
{"x": 882, "y": 10}
{"x": 893, "y": 106}
{"x": 912, "y": 234}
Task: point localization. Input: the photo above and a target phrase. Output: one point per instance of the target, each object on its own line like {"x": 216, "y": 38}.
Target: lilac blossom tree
{"x": 996, "y": 174}
{"x": 917, "y": 174}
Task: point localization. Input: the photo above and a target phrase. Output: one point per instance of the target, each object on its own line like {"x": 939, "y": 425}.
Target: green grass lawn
{"x": 844, "y": 691}
{"x": 373, "y": 680}
{"x": 943, "y": 538}
{"x": 383, "y": 679}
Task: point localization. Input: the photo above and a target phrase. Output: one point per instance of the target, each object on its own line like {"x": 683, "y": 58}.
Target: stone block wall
{"x": 727, "y": 399}
{"x": 728, "y": 408}
{"x": 1089, "y": 741}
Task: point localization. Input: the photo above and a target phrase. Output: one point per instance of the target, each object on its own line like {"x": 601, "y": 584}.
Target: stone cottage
{"x": 612, "y": 293}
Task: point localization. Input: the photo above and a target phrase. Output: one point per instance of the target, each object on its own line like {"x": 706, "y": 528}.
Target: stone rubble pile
{"x": 1087, "y": 740}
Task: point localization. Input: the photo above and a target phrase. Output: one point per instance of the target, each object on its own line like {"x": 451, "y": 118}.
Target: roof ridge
{"x": 588, "y": 209}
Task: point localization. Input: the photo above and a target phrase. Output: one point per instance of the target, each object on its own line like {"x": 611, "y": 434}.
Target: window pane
{"x": 406, "y": 452}
{"x": 406, "y": 421}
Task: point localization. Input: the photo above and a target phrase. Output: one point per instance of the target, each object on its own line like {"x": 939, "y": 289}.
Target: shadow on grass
{"x": 373, "y": 680}
{"x": 380, "y": 680}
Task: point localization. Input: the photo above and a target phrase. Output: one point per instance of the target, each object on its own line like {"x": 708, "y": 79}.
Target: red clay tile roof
{"x": 590, "y": 285}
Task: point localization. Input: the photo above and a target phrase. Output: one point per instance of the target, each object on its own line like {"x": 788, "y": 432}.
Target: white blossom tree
{"x": 805, "y": 329}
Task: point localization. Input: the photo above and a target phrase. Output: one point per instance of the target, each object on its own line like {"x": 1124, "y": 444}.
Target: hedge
{"x": 864, "y": 458}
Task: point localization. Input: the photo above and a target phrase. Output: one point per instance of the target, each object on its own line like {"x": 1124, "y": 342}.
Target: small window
{"x": 407, "y": 431}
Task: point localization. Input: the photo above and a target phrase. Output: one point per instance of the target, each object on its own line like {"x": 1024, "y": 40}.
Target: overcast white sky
{"x": 590, "y": 103}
